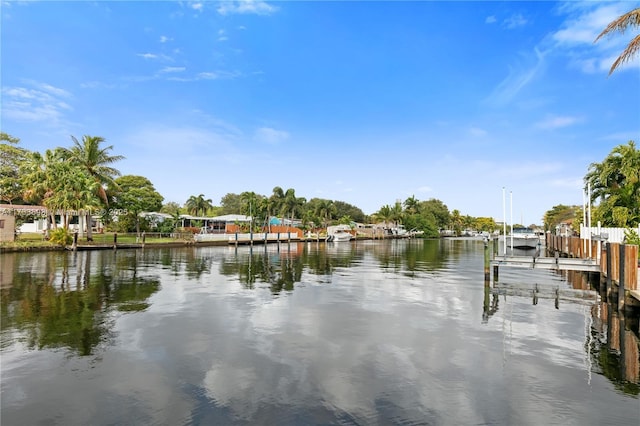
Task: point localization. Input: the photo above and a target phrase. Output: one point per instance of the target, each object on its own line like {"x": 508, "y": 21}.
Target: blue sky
{"x": 362, "y": 102}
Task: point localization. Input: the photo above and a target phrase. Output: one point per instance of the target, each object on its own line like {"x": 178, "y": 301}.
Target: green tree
{"x": 346, "y": 209}
{"x": 252, "y": 206}
{"x": 439, "y": 211}
{"x": 412, "y": 205}
{"x": 277, "y": 199}
{"x": 385, "y": 214}
{"x": 12, "y": 157}
{"x": 397, "y": 214}
{"x": 559, "y": 214}
{"x": 486, "y": 224}
{"x": 136, "y": 194}
{"x": 325, "y": 210}
{"x": 620, "y": 25}
{"x": 171, "y": 208}
{"x": 292, "y": 204}
{"x": 231, "y": 204}
{"x": 97, "y": 161}
{"x": 198, "y": 204}
{"x": 59, "y": 184}
{"x": 615, "y": 184}
{"x": 456, "y": 221}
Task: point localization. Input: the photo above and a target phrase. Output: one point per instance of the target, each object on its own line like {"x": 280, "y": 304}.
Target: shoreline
{"x": 86, "y": 247}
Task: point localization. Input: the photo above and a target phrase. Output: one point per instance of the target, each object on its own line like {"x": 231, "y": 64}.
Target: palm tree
{"x": 621, "y": 24}
{"x": 251, "y": 205}
{"x": 384, "y": 214}
{"x": 96, "y": 161}
{"x": 615, "y": 182}
{"x": 277, "y": 199}
{"x": 396, "y": 213}
{"x": 412, "y": 205}
{"x": 60, "y": 184}
{"x": 267, "y": 206}
{"x": 456, "y": 221}
{"x": 325, "y": 209}
{"x": 291, "y": 204}
{"x": 198, "y": 204}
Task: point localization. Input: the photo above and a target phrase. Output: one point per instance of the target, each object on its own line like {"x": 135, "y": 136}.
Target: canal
{"x": 366, "y": 333}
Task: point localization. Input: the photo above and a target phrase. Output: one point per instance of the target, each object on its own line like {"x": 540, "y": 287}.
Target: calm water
{"x": 373, "y": 333}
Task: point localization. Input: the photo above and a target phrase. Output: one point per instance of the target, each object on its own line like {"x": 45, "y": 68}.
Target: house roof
{"x": 224, "y": 218}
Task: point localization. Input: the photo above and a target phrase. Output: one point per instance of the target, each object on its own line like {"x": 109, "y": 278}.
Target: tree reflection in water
{"x": 64, "y": 300}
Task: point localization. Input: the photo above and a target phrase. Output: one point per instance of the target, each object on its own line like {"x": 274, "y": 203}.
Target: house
{"x": 17, "y": 218}
{"x": 7, "y": 225}
{"x": 214, "y": 225}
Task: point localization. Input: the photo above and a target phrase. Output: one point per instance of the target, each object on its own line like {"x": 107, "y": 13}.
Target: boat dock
{"x": 616, "y": 264}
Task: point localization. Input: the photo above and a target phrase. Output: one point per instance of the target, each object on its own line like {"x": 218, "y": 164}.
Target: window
{"x": 1, "y": 223}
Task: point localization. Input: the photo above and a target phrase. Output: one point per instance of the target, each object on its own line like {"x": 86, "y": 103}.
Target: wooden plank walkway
{"x": 555, "y": 263}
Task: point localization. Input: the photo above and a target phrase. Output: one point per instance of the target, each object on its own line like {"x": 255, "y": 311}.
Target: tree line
{"x": 82, "y": 178}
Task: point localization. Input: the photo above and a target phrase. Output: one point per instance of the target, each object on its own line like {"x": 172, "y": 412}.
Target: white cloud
{"x": 196, "y": 6}
{"x": 154, "y": 56}
{"x": 556, "y": 122}
{"x": 41, "y": 102}
{"x": 424, "y": 188}
{"x": 97, "y": 85}
{"x": 257, "y": 7}
{"x": 208, "y": 75}
{"x": 517, "y": 80}
{"x": 490, "y": 20}
{"x": 172, "y": 69}
{"x": 270, "y": 135}
{"x": 584, "y": 27}
{"x": 577, "y": 36}
{"x": 476, "y": 131}
{"x": 514, "y": 21}
{"x": 576, "y": 183}
{"x": 164, "y": 39}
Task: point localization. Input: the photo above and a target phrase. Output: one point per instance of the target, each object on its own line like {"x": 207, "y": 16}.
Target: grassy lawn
{"x": 36, "y": 240}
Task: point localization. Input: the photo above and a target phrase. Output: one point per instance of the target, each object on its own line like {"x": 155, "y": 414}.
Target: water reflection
{"x": 382, "y": 332}
{"x": 65, "y": 301}
{"x": 612, "y": 343}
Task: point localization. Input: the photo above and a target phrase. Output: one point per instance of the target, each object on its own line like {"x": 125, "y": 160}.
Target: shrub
{"x": 61, "y": 236}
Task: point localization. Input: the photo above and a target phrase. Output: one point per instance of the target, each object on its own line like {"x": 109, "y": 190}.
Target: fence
{"x": 612, "y": 235}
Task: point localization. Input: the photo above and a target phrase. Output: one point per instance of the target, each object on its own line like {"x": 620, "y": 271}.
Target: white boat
{"x": 523, "y": 238}
{"x": 339, "y": 235}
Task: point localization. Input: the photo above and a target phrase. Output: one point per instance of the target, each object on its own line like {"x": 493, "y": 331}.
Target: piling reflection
{"x": 64, "y": 301}
{"x": 282, "y": 265}
{"x": 616, "y": 347}
{"x": 611, "y": 342}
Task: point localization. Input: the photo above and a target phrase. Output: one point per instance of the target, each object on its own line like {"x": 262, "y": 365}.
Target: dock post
{"x": 236, "y": 239}
{"x": 115, "y": 240}
{"x": 485, "y": 304}
{"x": 75, "y": 240}
{"x": 487, "y": 263}
{"x": 144, "y": 237}
{"x": 607, "y": 281}
{"x": 621, "y": 279}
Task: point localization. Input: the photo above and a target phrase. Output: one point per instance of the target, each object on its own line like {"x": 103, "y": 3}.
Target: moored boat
{"x": 339, "y": 235}
{"x": 523, "y": 238}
